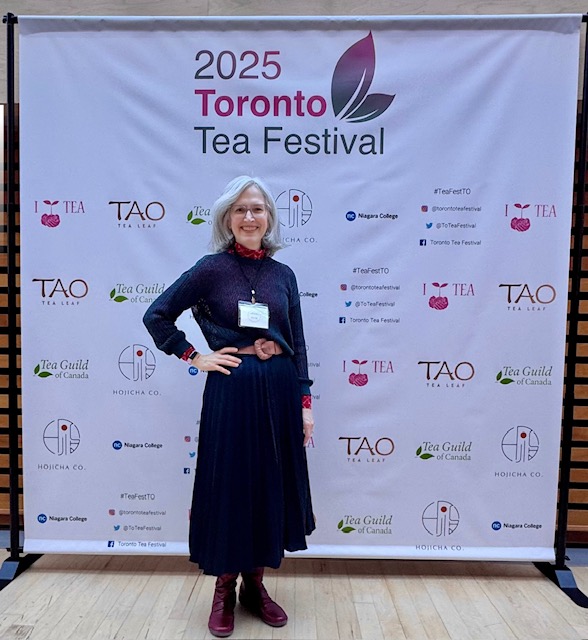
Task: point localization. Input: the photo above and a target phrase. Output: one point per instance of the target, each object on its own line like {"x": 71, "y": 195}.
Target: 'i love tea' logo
{"x": 446, "y": 290}
{"x": 360, "y": 379}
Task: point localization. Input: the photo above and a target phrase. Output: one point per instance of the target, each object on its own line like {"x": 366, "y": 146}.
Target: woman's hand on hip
{"x": 307, "y": 425}
{"x": 217, "y": 360}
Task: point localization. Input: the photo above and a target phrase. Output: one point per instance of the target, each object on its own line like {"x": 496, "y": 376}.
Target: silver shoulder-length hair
{"x": 222, "y": 237}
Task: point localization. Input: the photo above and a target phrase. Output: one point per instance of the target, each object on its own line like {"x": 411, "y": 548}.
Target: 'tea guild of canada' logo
{"x": 199, "y": 215}
{"x": 456, "y": 289}
{"x": 524, "y": 297}
{"x": 453, "y": 451}
{"x": 61, "y": 437}
{"x": 64, "y": 368}
{"x": 526, "y": 376}
{"x": 380, "y": 524}
{"x": 136, "y": 293}
{"x": 520, "y": 444}
{"x": 136, "y": 362}
{"x": 440, "y": 518}
{"x": 294, "y": 208}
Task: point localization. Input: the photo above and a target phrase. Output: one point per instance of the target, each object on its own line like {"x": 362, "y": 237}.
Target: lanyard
{"x": 252, "y": 283}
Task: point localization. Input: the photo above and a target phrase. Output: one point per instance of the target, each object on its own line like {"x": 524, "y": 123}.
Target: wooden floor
{"x": 65, "y": 597}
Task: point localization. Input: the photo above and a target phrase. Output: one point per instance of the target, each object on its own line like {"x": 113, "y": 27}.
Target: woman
{"x": 251, "y": 491}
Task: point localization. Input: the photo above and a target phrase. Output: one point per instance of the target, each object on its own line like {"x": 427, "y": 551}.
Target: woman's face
{"x": 248, "y": 218}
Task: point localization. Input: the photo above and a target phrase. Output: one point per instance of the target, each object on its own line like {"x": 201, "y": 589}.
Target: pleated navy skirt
{"x": 251, "y": 492}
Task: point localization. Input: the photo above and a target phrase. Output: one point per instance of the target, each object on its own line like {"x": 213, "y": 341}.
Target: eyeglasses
{"x": 257, "y": 210}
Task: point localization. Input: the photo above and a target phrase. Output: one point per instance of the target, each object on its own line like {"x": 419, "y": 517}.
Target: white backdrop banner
{"x": 423, "y": 169}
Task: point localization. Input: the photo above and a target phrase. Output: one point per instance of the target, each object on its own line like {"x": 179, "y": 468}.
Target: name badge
{"x": 253, "y": 314}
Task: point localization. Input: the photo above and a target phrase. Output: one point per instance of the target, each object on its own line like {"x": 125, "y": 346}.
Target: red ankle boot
{"x": 222, "y": 620}
{"x": 253, "y": 596}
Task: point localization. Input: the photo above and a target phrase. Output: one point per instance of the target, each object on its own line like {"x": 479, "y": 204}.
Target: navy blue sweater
{"x": 212, "y": 288}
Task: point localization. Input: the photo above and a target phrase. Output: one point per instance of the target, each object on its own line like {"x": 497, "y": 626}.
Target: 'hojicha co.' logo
{"x": 351, "y": 82}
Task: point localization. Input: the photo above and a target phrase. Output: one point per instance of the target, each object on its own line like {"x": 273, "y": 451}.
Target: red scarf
{"x": 244, "y": 252}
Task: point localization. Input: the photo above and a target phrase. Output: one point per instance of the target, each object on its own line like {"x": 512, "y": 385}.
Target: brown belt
{"x": 262, "y": 348}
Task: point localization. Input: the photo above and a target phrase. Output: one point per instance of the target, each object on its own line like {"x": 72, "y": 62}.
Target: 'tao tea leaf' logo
{"x": 351, "y": 81}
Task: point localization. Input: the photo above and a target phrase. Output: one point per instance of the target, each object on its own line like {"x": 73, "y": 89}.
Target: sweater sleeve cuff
{"x": 307, "y": 401}
{"x": 188, "y": 353}
{"x": 180, "y": 348}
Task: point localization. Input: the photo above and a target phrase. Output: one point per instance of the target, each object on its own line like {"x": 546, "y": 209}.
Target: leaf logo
{"x": 423, "y": 456}
{"x": 41, "y": 374}
{"x": 193, "y": 220}
{"x": 344, "y": 529}
{"x": 116, "y": 298}
{"x": 502, "y": 380}
{"x": 351, "y": 81}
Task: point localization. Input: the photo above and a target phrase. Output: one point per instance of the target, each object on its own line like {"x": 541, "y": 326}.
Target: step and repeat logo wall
{"x": 423, "y": 172}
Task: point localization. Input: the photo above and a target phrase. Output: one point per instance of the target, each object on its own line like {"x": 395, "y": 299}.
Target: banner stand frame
{"x": 16, "y": 563}
{"x": 559, "y": 573}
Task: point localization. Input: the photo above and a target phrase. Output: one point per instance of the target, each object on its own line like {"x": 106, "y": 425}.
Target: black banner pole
{"x": 560, "y": 573}
{"x": 16, "y": 563}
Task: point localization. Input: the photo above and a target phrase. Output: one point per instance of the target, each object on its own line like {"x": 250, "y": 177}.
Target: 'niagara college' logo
{"x": 351, "y": 82}
{"x": 61, "y": 437}
{"x": 440, "y": 518}
{"x": 136, "y": 362}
